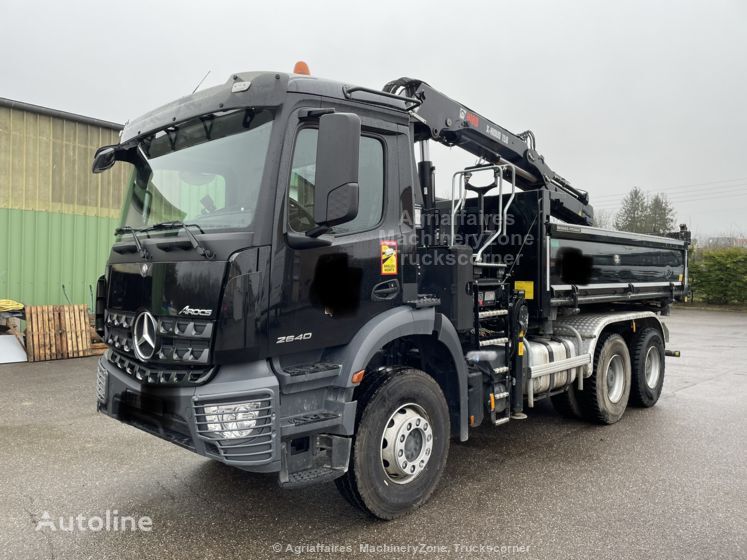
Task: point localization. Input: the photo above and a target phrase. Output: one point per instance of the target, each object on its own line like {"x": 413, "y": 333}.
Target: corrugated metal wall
{"x": 56, "y": 217}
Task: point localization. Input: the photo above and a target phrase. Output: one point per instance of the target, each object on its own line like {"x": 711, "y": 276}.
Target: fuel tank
{"x": 541, "y": 351}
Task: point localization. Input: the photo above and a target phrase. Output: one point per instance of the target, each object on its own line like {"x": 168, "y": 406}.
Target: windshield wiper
{"x": 176, "y": 224}
{"x": 133, "y": 231}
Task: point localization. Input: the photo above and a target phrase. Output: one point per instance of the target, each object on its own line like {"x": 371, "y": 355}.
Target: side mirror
{"x": 336, "y": 181}
{"x": 104, "y": 159}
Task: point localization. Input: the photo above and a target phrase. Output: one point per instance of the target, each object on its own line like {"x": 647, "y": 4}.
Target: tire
{"x": 605, "y": 394}
{"x": 566, "y": 404}
{"x": 647, "y": 357}
{"x": 380, "y": 488}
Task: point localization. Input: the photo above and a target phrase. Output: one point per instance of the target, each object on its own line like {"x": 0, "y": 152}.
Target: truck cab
{"x": 285, "y": 293}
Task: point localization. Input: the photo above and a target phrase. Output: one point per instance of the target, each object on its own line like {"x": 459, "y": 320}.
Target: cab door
{"x": 327, "y": 293}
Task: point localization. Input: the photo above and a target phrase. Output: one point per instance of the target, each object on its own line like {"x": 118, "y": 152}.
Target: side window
{"x": 301, "y": 188}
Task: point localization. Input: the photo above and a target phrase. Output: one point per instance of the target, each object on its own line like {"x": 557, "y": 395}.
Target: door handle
{"x": 384, "y": 291}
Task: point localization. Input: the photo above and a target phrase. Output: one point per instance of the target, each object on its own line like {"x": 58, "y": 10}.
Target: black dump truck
{"x": 287, "y": 294}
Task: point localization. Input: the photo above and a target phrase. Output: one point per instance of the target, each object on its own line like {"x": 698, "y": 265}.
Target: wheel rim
{"x": 615, "y": 378}
{"x": 406, "y": 444}
{"x": 653, "y": 367}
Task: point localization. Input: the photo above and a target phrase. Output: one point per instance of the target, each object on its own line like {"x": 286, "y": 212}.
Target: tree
{"x": 660, "y": 216}
{"x": 641, "y": 214}
{"x": 634, "y": 212}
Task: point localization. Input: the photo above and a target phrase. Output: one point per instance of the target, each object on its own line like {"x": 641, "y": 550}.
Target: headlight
{"x": 232, "y": 421}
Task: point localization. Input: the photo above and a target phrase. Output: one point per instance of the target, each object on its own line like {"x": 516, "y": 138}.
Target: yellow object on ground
{"x": 10, "y": 305}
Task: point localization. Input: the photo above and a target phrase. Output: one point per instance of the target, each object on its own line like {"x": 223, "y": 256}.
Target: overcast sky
{"x": 650, "y": 93}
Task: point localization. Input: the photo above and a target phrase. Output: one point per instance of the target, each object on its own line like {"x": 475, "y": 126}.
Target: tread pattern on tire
{"x": 347, "y": 484}
{"x": 587, "y": 398}
{"x": 636, "y": 352}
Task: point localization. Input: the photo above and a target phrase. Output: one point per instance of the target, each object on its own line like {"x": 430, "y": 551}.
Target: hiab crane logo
{"x": 469, "y": 117}
{"x": 388, "y": 258}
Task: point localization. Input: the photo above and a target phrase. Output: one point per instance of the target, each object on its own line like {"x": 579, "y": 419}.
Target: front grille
{"x": 180, "y": 340}
{"x": 154, "y": 375}
{"x": 257, "y": 448}
{"x": 118, "y": 330}
{"x": 184, "y": 340}
{"x": 102, "y": 379}
{"x": 121, "y": 319}
{"x": 185, "y": 351}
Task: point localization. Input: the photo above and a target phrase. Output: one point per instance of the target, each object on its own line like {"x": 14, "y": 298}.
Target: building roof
{"x": 11, "y": 104}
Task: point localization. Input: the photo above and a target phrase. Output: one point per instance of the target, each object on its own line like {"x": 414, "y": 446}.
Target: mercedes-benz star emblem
{"x": 144, "y": 336}
{"x": 144, "y": 268}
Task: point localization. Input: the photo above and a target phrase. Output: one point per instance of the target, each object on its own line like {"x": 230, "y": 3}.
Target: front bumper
{"x": 176, "y": 414}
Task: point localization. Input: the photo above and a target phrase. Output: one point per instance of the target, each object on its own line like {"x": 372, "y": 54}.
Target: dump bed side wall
{"x": 562, "y": 264}
{"x": 573, "y": 261}
{"x": 596, "y": 265}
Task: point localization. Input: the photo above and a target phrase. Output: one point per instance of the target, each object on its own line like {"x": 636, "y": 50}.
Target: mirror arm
{"x": 302, "y": 241}
{"x": 307, "y": 114}
{"x": 316, "y": 231}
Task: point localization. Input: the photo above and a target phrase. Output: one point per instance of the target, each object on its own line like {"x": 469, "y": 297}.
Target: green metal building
{"x": 56, "y": 218}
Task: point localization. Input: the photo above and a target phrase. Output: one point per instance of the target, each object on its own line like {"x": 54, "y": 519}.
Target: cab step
{"x": 313, "y": 369}
{"x": 493, "y": 342}
{"x": 303, "y": 377}
{"x": 423, "y": 301}
{"x": 492, "y": 313}
{"x": 312, "y": 418}
{"x": 301, "y": 479}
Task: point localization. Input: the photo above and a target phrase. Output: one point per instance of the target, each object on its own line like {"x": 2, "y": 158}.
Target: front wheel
{"x": 400, "y": 445}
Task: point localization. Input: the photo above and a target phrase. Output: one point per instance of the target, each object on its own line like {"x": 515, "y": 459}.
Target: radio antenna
{"x": 200, "y": 82}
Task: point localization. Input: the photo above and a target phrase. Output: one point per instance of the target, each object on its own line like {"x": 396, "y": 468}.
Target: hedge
{"x": 719, "y": 276}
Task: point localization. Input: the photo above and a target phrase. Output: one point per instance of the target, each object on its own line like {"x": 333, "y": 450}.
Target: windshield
{"x": 206, "y": 172}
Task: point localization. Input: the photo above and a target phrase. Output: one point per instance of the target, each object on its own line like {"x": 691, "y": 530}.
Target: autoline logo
{"x": 110, "y": 521}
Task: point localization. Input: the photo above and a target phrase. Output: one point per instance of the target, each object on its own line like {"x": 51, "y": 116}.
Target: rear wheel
{"x": 647, "y": 356}
{"x": 400, "y": 445}
{"x": 605, "y": 394}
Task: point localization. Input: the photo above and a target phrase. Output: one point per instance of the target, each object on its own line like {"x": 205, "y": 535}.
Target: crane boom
{"x": 440, "y": 118}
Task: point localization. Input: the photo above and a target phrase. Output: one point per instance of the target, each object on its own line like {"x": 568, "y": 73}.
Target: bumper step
{"x": 308, "y": 477}
{"x": 312, "y": 418}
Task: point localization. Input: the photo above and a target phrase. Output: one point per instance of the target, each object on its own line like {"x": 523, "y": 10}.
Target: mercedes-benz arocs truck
{"x": 287, "y": 294}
